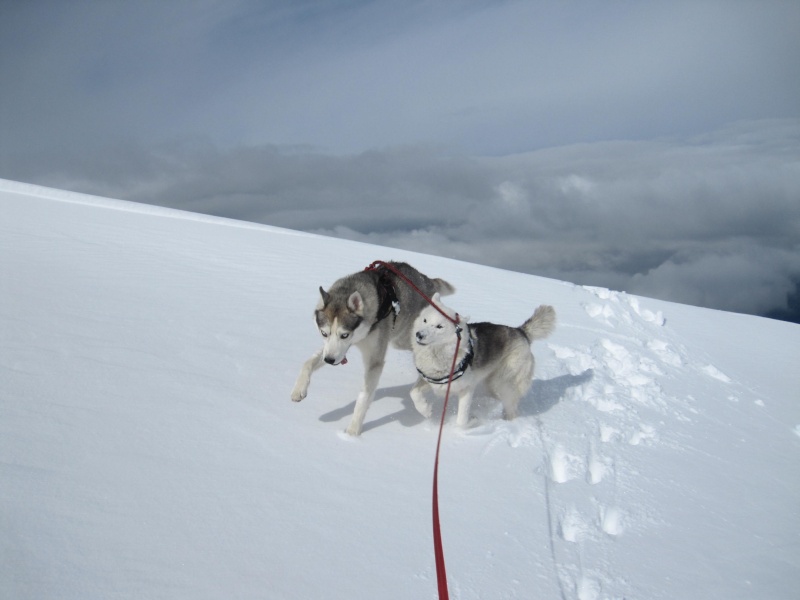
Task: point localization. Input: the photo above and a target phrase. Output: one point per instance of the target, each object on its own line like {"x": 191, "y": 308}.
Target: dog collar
{"x": 461, "y": 368}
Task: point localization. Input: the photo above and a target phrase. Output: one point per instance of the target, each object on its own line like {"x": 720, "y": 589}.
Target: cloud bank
{"x": 712, "y": 220}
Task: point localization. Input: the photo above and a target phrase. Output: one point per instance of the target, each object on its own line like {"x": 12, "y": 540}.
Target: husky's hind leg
{"x": 300, "y": 389}
{"x": 464, "y": 404}
{"x": 510, "y": 402}
{"x": 509, "y": 396}
{"x": 509, "y": 384}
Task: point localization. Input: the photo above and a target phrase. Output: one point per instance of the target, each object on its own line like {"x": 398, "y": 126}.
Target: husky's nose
{"x": 330, "y": 360}
{"x": 420, "y": 336}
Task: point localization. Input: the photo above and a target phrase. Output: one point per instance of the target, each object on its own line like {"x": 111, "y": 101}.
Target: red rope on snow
{"x": 438, "y": 551}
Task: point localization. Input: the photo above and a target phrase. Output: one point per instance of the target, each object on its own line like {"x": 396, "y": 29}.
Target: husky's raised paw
{"x": 425, "y": 409}
{"x": 421, "y": 403}
{"x": 300, "y": 389}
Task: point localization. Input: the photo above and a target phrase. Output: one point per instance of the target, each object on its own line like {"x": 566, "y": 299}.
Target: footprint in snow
{"x": 656, "y": 318}
{"x": 665, "y": 353}
{"x": 714, "y": 372}
{"x": 588, "y": 588}
{"x": 600, "y": 312}
{"x": 608, "y": 433}
{"x": 599, "y": 467}
{"x": 564, "y": 466}
{"x": 629, "y": 308}
{"x": 571, "y": 526}
{"x": 646, "y": 432}
{"x": 612, "y": 520}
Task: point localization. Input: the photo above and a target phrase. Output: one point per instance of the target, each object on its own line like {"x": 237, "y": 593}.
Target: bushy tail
{"x": 541, "y": 324}
{"x": 444, "y": 288}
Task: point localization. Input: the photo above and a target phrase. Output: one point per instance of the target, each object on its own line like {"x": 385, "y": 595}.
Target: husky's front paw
{"x": 299, "y": 392}
{"x": 422, "y": 405}
{"x": 424, "y": 408}
{"x": 353, "y": 430}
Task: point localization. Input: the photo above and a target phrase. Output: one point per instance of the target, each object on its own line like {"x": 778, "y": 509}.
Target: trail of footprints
{"x": 626, "y": 394}
{"x": 622, "y": 378}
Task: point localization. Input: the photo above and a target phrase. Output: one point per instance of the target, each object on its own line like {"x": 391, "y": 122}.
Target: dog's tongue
{"x": 344, "y": 361}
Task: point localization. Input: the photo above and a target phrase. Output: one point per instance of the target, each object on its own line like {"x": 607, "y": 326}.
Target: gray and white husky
{"x": 496, "y": 355}
{"x": 368, "y": 310}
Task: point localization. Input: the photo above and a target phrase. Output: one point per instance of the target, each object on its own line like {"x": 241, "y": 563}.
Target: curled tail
{"x": 541, "y": 324}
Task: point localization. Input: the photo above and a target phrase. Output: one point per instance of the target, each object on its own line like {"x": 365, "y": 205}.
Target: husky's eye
{"x": 439, "y": 327}
{"x": 424, "y": 320}
{"x": 324, "y": 334}
{"x": 344, "y": 336}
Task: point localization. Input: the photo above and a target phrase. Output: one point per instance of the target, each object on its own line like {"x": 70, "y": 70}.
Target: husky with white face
{"x": 496, "y": 355}
{"x": 368, "y": 310}
{"x": 340, "y": 331}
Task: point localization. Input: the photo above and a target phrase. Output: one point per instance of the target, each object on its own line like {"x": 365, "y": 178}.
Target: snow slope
{"x": 149, "y": 449}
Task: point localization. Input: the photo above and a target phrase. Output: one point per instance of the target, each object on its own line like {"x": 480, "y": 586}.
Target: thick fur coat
{"x": 498, "y": 356}
{"x": 369, "y": 309}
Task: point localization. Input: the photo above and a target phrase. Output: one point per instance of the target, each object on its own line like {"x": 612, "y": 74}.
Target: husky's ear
{"x": 356, "y": 304}
{"x": 437, "y": 300}
{"x": 325, "y": 297}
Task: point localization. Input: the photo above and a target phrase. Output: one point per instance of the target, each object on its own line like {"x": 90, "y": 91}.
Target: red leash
{"x": 441, "y": 573}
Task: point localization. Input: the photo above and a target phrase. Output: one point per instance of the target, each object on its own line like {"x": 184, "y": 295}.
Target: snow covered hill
{"x": 149, "y": 448}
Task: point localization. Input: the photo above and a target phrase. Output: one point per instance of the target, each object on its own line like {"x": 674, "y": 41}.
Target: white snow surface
{"x": 149, "y": 447}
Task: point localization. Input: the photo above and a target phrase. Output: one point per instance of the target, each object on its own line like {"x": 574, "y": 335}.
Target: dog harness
{"x": 461, "y": 368}
{"x": 388, "y": 297}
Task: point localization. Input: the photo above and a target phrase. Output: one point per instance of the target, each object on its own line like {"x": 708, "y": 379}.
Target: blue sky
{"x": 639, "y": 145}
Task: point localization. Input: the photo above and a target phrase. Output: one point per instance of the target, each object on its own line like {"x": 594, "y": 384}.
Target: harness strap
{"x": 459, "y": 370}
{"x": 379, "y": 264}
{"x": 389, "y": 303}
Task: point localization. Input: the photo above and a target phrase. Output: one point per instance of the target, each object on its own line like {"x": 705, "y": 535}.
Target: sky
{"x": 649, "y": 147}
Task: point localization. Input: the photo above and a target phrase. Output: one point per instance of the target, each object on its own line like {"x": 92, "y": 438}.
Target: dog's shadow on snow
{"x": 546, "y": 393}
{"x": 543, "y": 396}
{"x": 407, "y": 416}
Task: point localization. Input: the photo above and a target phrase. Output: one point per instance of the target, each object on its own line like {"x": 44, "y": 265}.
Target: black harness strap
{"x": 460, "y": 369}
{"x": 388, "y": 297}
